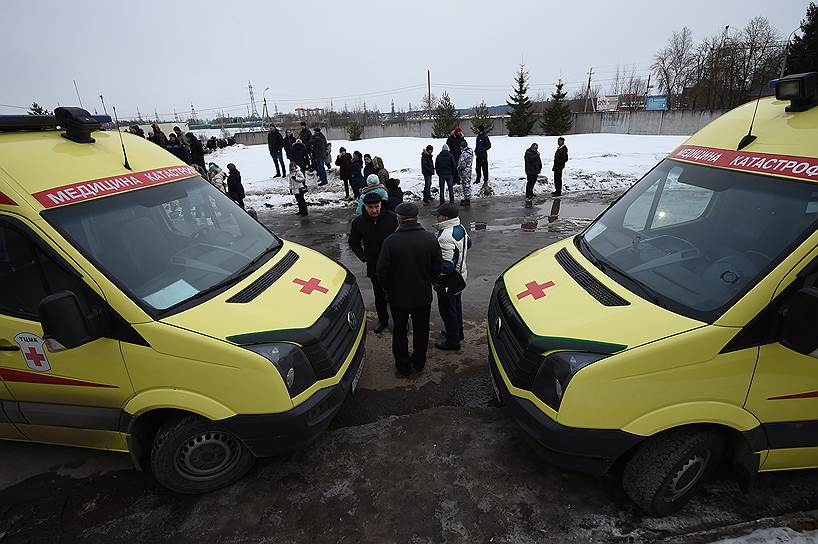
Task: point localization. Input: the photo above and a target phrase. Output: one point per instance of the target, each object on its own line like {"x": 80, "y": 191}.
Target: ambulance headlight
{"x": 556, "y": 373}
{"x": 292, "y": 364}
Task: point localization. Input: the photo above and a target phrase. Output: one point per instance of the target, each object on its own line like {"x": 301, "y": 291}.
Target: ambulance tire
{"x": 193, "y": 455}
{"x": 665, "y": 471}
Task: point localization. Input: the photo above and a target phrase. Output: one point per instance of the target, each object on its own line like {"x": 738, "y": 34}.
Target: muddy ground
{"x": 430, "y": 458}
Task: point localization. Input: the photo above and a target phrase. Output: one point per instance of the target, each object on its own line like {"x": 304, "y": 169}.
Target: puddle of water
{"x": 556, "y": 217}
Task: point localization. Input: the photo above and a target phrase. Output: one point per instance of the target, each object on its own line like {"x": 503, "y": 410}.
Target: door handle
{"x": 5, "y": 345}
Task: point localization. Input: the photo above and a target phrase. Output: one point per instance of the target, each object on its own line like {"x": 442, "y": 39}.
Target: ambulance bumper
{"x": 591, "y": 451}
{"x": 272, "y": 434}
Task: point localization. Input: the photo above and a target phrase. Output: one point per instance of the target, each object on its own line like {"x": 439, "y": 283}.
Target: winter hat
{"x": 372, "y": 180}
{"x": 447, "y": 210}
{"x": 429, "y": 148}
{"x": 372, "y": 197}
{"x": 407, "y": 209}
{"x": 463, "y": 143}
{"x": 445, "y": 147}
{"x": 458, "y": 131}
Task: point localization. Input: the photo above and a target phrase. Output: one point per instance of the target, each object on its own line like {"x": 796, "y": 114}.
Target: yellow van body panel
{"x": 178, "y": 399}
{"x": 281, "y": 306}
{"x": 83, "y": 438}
{"x": 566, "y": 309}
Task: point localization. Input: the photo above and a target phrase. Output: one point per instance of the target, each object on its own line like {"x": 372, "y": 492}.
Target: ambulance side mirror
{"x": 64, "y": 321}
{"x": 799, "y": 329}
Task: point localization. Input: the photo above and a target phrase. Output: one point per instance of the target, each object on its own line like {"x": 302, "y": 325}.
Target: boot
{"x": 528, "y": 203}
{"x": 445, "y": 346}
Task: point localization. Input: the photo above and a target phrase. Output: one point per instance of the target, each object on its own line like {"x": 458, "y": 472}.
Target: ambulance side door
{"x": 784, "y": 391}
{"x": 73, "y": 396}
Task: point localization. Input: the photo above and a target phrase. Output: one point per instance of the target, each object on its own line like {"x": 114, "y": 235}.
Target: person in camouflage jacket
{"x": 464, "y": 166}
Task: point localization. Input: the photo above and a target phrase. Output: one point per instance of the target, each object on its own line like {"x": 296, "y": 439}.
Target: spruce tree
{"x": 354, "y": 131}
{"x": 802, "y": 55}
{"x": 556, "y": 118}
{"x": 445, "y": 116}
{"x": 37, "y": 109}
{"x": 522, "y": 117}
{"x": 482, "y": 116}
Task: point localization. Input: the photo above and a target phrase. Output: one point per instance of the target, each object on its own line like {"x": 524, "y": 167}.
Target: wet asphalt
{"x": 428, "y": 459}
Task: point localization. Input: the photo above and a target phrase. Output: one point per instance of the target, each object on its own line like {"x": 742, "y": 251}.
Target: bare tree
{"x": 672, "y": 64}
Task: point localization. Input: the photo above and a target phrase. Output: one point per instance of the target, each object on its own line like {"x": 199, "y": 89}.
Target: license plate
{"x": 494, "y": 386}
{"x": 357, "y": 376}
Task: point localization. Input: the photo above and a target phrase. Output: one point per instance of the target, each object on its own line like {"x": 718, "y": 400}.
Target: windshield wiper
{"x": 647, "y": 291}
{"x": 586, "y": 250}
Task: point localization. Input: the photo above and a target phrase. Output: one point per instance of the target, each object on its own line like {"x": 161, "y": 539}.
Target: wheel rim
{"x": 207, "y": 456}
{"x": 687, "y": 476}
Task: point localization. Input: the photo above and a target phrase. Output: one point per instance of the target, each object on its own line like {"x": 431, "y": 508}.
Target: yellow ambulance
{"x": 143, "y": 311}
{"x": 680, "y": 329}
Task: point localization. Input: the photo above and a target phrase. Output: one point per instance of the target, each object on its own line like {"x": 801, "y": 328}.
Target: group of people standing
{"x": 187, "y": 147}
{"x": 533, "y": 167}
{"x": 453, "y": 165}
{"x": 405, "y": 263}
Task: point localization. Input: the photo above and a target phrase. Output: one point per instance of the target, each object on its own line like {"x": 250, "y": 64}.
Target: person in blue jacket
{"x": 445, "y": 168}
{"x": 373, "y": 184}
{"x": 427, "y": 168}
{"x": 357, "y": 180}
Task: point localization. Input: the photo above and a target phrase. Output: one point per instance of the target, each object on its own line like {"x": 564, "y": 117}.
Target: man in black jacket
{"x": 446, "y": 167}
{"x": 319, "y": 149}
{"x": 453, "y": 141}
{"x": 275, "y": 143}
{"x": 560, "y": 158}
{"x": 306, "y": 138}
{"x": 427, "y": 168}
{"x": 410, "y": 261}
{"x": 289, "y": 141}
{"x": 481, "y": 153}
{"x": 366, "y": 237}
{"x": 533, "y": 167}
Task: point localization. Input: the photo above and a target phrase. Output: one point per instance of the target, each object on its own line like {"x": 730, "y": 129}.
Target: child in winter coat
{"x": 298, "y": 187}
{"x": 216, "y": 177}
{"x": 395, "y": 193}
{"x": 372, "y": 184}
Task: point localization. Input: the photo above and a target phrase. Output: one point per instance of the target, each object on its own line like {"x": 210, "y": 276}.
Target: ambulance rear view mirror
{"x": 65, "y": 325}
{"x": 799, "y": 330}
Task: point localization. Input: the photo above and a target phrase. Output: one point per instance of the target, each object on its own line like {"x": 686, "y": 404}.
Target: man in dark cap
{"x": 369, "y": 230}
{"x": 410, "y": 261}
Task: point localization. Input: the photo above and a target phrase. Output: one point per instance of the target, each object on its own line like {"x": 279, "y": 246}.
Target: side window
{"x": 27, "y": 275}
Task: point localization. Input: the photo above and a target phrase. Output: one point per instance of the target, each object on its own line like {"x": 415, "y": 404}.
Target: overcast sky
{"x": 165, "y": 55}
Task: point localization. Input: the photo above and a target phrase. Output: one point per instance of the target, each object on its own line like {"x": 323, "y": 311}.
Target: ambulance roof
{"x": 41, "y": 169}
{"x": 786, "y": 143}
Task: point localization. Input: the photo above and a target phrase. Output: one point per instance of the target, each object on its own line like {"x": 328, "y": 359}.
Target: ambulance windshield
{"x": 694, "y": 239}
{"x": 167, "y": 244}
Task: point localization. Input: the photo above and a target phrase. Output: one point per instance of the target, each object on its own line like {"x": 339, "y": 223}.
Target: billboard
{"x": 656, "y": 103}
{"x": 607, "y": 103}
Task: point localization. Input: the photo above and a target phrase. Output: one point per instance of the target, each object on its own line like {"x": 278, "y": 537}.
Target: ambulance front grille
{"x": 265, "y": 280}
{"x": 509, "y": 338}
{"x": 336, "y": 331}
{"x": 585, "y": 280}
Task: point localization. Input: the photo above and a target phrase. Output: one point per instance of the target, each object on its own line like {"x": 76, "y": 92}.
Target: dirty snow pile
{"x": 775, "y": 535}
{"x": 598, "y": 162}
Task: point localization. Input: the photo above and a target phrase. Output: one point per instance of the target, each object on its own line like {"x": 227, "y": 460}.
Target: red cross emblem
{"x": 34, "y": 356}
{"x": 536, "y": 290}
{"x": 309, "y": 286}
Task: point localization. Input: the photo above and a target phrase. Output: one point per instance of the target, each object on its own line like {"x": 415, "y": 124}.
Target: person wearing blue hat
{"x": 409, "y": 263}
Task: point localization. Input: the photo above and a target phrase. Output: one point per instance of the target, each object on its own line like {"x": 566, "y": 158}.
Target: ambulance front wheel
{"x": 193, "y": 455}
{"x": 666, "y": 470}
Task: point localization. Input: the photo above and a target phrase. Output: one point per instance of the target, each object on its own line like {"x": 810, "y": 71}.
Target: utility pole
{"x": 252, "y": 101}
{"x": 429, "y": 90}
{"x": 588, "y": 90}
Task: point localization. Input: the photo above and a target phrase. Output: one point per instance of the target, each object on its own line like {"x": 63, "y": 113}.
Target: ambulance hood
{"x": 290, "y": 291}
{"x": 559, "y": 307}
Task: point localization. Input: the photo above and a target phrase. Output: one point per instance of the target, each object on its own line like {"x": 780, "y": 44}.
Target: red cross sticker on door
{"x": 309, "y": 286}
{"x": 33, "y": 352}
{"x": 536, "y": 290}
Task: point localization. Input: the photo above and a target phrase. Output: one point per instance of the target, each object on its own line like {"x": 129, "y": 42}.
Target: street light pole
{"x": 264, "y": 113}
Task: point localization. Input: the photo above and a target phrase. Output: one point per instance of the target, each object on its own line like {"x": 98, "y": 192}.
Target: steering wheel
{"x": 200, "y": 234}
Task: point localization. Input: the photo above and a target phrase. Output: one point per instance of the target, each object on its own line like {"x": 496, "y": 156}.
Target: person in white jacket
{"x": 298, "y": 187}
{"x": 454, "y": 246}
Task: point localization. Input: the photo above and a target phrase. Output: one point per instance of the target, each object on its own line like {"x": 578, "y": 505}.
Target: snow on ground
{"x": 599, "y": 162}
